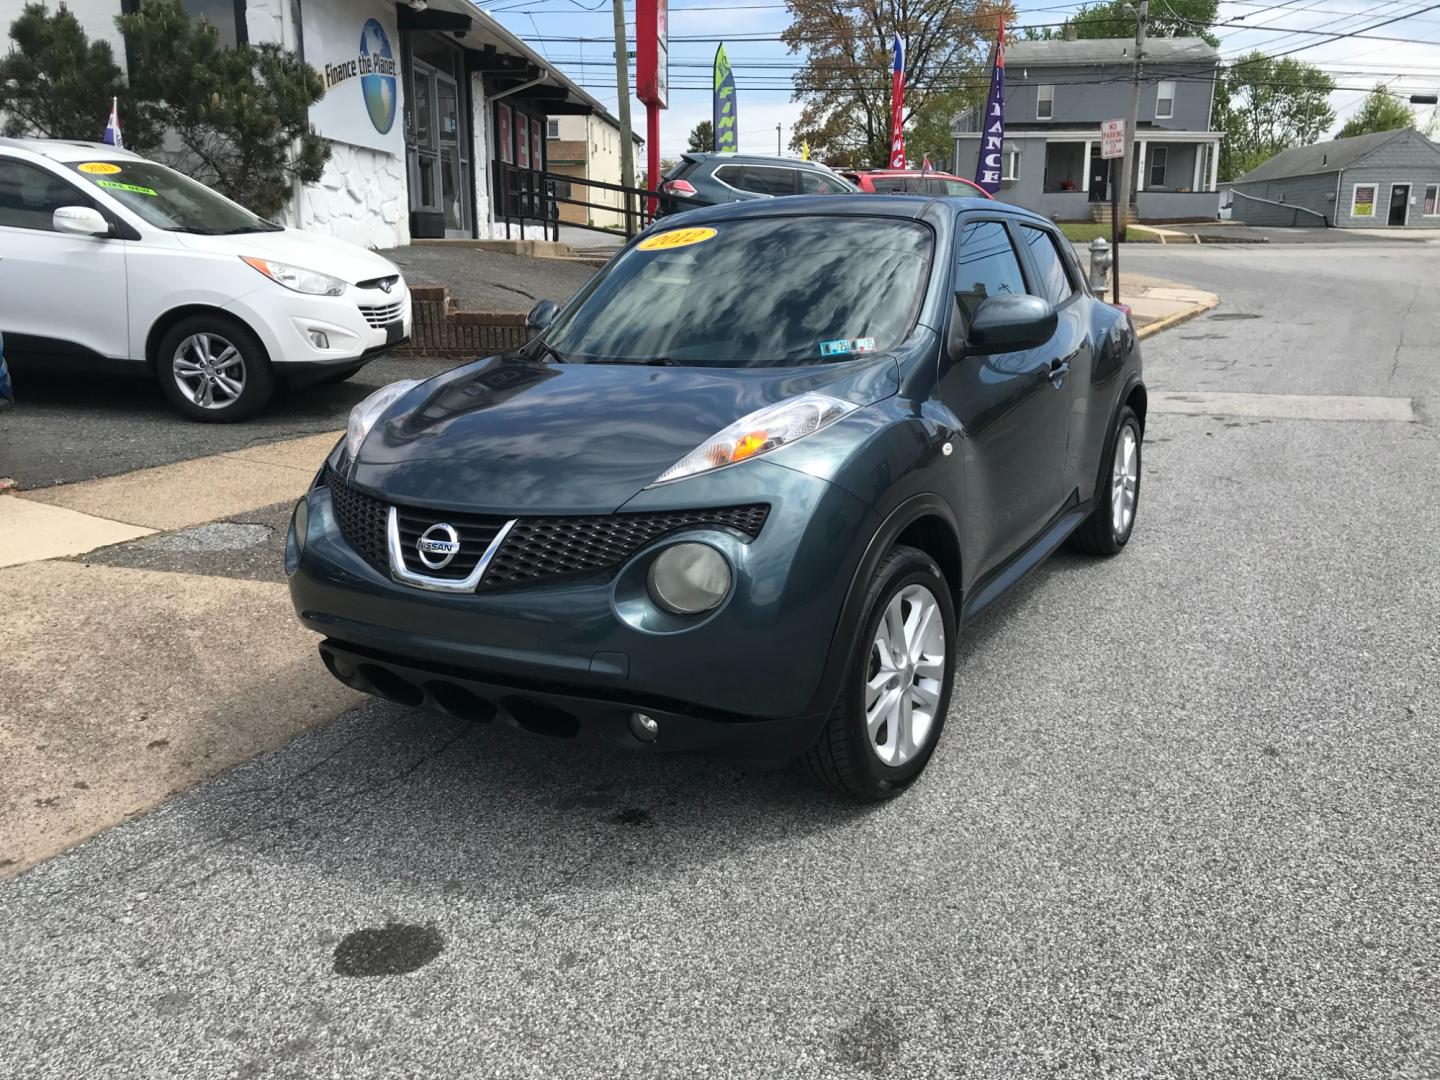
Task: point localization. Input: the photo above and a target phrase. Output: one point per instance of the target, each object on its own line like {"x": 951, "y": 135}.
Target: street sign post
{"x": 652, "y": 77}
{"x": 1112, "y": 146}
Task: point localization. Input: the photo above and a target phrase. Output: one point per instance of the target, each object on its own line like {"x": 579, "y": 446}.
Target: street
{"x": 1184, "y": 819}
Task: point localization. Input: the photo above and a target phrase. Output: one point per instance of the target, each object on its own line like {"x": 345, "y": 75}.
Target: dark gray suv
{"x": 709, "y": 179}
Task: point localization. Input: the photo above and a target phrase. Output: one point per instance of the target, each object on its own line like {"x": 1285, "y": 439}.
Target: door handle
{"x": 1058, "y": 368}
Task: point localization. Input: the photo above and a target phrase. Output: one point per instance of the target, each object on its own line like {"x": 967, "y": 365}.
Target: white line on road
{"x": 1394, "y": 410}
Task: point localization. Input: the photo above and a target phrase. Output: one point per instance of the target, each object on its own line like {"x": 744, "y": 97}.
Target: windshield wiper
{"x": 554, "y": 352}
{"x": 261, "y": 226}
{"x": 649, "y": 361}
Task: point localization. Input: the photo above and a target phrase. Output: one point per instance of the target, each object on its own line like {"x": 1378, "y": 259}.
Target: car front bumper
{"x": 562, "y": 658}
{"x": 287, "y": 323}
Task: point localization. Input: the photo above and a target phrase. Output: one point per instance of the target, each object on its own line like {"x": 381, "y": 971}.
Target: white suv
{"x": 111, "y": 261}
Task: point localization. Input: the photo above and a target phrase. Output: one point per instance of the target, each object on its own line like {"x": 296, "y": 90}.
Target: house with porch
{"x": 1057, "y": 94}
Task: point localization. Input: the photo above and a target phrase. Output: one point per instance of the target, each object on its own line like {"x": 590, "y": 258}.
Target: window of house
{"x": 552, "y": 129}
{"x": 985, "y": 266}
{"x": 30, "y": 195}
{"x": 1054, "y": 284}
{"x": 1432, "y": 200}
{"x": 1044, "y": 102}
{"x": 1159, "y": 158}
{"x": 226, "y": 16}
{"x": 1362, "y": 200}
{"x": 1012, "y": 165}
{"x": 1164, "y": 101}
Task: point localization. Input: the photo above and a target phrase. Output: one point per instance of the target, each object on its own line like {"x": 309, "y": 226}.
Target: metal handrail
{"x": 523, "y": 194}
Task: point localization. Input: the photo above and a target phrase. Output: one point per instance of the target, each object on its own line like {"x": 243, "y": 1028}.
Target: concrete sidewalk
{"x": 1157, "y": 304}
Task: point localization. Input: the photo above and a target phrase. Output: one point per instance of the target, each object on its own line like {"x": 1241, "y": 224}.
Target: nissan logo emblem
{"x": 438, "y": 545}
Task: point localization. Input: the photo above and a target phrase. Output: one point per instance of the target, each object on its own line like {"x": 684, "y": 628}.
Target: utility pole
{"x": 777, "y": 141}
{"x": 1127, "y": 165}
{"x": 622, "y": 87}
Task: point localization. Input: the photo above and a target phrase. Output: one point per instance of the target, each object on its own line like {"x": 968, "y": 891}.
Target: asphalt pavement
{"x": 1184, "y": 820}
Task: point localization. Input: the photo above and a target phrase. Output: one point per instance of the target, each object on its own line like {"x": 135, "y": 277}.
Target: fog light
{"x": 644, "y": 727}
{"x": 689, "y": 578}
{"x": 319, "y": 339}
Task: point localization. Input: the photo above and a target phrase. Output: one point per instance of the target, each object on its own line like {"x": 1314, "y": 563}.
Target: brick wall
{"x": 440, "y": 330}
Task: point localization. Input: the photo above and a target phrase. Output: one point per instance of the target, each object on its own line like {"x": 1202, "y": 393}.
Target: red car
{"x": 915, "y": 183}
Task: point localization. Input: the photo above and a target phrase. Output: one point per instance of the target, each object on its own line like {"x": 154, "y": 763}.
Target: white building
{"x": 588, "y": 148}
{"x": 424, "y": 109}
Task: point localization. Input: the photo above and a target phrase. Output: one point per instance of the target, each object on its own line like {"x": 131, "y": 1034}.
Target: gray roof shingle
{"x": 1323, "y": 157}
{"x": 1108, "y": 51}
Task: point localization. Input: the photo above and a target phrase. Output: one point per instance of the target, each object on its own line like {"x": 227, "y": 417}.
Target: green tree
{"x": 58, "y": 84}
{"x": 239, "y": 117}
{"x": 1171, "y": 18}
{"x": 844, "y": 82}
{"x": 702, "y": 137}
{"x": 1381, "y": 111}
{"x": 1269, "y": 105}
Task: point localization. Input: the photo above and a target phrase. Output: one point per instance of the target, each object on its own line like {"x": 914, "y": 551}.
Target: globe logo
{"x": 378, "y": 81}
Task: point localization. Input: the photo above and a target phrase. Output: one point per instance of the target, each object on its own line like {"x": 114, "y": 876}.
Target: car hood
{"x": 506, "y": 435}
{"x": 348, "y": 262}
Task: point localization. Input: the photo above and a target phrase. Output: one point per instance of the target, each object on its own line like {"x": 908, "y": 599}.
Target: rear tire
{"x": 213, "y": 369}
{"x": 896, "y": 690}
{"x": 1107, "y": 530}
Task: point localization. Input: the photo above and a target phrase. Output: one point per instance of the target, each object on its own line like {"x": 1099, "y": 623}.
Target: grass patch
{"x": 1082, "y": 232}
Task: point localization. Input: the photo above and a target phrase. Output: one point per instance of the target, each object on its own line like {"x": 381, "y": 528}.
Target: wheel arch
{"x": 169, "y": 319}
{"x": 924, "y": 521}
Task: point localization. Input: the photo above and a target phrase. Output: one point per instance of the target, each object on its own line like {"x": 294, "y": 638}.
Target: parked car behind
{"x": 7, "y": 393}
{"x": 709, "y": 179}
{"x": 112, "y": 262}
{"x": 912, "y": 182}
{"x": 736, "y": 498}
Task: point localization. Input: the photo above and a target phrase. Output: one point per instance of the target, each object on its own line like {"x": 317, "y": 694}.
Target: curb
{"x": 1150, "y": 329}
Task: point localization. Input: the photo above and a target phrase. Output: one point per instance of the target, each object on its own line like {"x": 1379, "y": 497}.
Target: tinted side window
{"x": 773, "y": 181}
{"x": 817, "y": 183}
{"x": 29, "y": 195}
{"x": 986, "y": 265}
{"x": 733, "y": 175}
{"x": 1054, "y": 284}
{"x": 889, "y": 183}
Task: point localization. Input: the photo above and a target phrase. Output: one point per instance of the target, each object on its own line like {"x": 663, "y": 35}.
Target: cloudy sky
{"x": 1404, "y": 54}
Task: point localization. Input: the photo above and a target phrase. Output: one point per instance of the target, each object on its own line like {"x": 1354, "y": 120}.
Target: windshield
{"x": 754, "y": 293}
{"x": 168, "y": 200}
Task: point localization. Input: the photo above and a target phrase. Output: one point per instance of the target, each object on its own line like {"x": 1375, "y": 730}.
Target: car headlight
{"x": 297, "y": 278}
{"x": 364, "y": 415}
{"x": 687, "y": 579}
{"x": 762, "y": 431}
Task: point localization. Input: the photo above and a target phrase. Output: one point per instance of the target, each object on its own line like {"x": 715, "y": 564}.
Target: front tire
{"x": 1107, "y": 530}
{"x": 896, "y": 690}
{"x": 213, "y": 369}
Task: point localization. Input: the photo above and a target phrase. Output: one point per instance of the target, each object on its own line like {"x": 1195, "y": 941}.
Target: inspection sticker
{"x": 834, "y": 348}
{"x": 675, "y": 238}
{"x": 99, "y": 168}
{"x": 863, "y": 344}
{"x": 136, "y": 188}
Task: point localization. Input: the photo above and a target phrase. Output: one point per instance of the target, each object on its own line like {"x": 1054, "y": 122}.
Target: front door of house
{"x": 1399, "y": 204}
{"x": 1099, "y": 177}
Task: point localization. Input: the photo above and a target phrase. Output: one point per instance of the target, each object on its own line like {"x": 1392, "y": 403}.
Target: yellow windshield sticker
{"x": 136, "y": 188}
{"x": 676, "y": 238}
{"x": 99, "y": 168}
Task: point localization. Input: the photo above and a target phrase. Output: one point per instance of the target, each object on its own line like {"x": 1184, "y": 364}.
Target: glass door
{"x": 425, "y": 181}
{"x": 453, "y": 160}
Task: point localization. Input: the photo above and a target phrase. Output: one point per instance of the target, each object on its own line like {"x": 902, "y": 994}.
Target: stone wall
{"x": 440, "y": 330}
{"x": 362, "y": 198}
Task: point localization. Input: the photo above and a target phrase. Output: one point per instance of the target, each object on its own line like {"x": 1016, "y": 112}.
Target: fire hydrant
{"x": 1101, "y": 259}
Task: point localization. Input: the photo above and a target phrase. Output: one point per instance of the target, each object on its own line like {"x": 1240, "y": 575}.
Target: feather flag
{"x": 897, "y": 107}
{"x": 112, "y": 126}
{"x": 988, "y": 168}
{"x": 723, "y": 112}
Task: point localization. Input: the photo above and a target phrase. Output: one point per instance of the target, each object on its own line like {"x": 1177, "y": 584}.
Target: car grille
{"x": 537, "y": 548}
{"x": 377, "y": 315}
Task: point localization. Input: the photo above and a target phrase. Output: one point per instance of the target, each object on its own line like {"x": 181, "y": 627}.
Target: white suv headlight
{"x": 364, "y": 415}
{"x": 297, "y": 278}
{"x": 760, "y": 432}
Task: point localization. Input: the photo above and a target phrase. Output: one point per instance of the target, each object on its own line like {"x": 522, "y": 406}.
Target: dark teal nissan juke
{"x": 742, "y": 492}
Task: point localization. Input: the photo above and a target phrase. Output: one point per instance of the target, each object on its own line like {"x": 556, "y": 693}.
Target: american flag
{"x": 897, "y": 108}
{"x": 112, "y": 126}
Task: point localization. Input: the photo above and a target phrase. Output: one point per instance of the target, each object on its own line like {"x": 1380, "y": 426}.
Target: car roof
{"x": 68, "y": 150}
{"x": 858, "y": 204}
{"x": 753, "y": 159}
{"x": 908, "y": 172}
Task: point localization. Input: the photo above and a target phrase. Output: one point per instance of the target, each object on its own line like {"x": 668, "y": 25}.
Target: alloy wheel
{"x": 905, "y": 675}
{"x": 209, "y": 370}
{"x": 1124, "y": 481}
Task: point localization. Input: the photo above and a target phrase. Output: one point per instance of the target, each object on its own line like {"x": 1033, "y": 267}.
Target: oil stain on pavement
{"x": 393, "y": 949}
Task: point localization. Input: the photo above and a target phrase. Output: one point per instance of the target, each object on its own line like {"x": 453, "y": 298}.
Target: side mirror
{"x": 1010, "y": 324}
{"x": 542, "y": 314}
{"x": 80, "y": 220}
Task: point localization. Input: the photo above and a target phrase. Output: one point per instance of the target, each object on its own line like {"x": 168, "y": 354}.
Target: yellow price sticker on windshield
{"x": 99, "y": 168}
{"x": 675, "y": 238}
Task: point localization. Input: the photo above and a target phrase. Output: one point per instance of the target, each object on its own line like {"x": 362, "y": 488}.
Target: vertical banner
{"x": 897, "y": 107}
{"x": 726, "y": 135}
{"x": 502, "y": 134}
{"x": 989, "y": 166}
